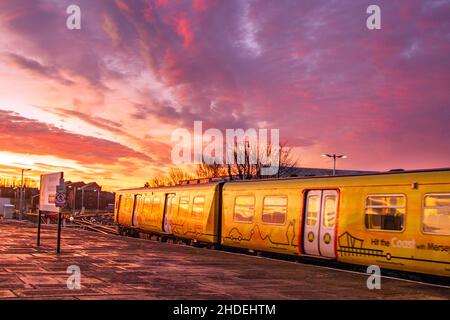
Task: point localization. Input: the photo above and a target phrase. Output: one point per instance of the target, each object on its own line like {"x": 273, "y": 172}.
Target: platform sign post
{"x": 60, "y": 202}
{"x": 39, "y": 228}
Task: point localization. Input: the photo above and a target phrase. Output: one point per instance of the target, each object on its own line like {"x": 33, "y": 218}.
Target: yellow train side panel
{"x": 409, "y": 250}
{"x": 123, "y": 209}
{"x": 202, "y": 227}
{"x": 256, "y": 235}
{"x": 151, "y": 221}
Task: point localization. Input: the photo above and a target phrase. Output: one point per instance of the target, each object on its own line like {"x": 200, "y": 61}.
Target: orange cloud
{"x": 22, "y": 135}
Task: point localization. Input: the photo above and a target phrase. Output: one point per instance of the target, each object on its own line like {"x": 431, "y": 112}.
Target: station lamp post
{"x": 21, "y": 196}
{"x": 74, "y": 203}
{"x": 82, "y": 199}
{"x": 73, "y": 198}
{"x": 98, "y": 199}
{"x": 334, "y": 156}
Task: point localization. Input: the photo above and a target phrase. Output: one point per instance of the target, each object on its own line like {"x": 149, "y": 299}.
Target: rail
{"x": 83, "y": 221}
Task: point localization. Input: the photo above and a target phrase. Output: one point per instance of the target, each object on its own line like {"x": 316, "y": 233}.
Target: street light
{"x": 98, "y": 199}
{"x": 73, "y": 199}
{"x": 334, "y": 156}
{"x": 21, "y": 195}
{"x": 82, "y": 199}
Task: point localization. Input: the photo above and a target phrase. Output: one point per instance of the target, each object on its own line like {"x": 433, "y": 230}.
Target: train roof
{"x": 382, "y": 178}
{"x": 293, "y": 179}
{"x": 381, "y": 173}
{"x": 183, "y": 186}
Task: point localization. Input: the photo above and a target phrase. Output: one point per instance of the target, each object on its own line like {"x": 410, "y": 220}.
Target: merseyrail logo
{"x": 327, "y": 238}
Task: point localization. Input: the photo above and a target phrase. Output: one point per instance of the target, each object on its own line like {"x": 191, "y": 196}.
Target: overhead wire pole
{"x": 60, "y": 202}
{"x": 98, "y": 200}
{"x": 21, "y": 195}
{"x": 82, "y": 199}
{"x": 334, "y": 156}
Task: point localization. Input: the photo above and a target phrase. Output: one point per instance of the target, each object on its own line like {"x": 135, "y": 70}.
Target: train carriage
{"x": 188, "y": 212}
{"x": 396, "y": 220}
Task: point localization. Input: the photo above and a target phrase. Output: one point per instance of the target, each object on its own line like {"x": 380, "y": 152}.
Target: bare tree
{"x": 245, "y": 170}
{"x": 249, "y": 170}
{"x": 14, "y": 181}
{"x": 287, "y": 163}
{"x": 158, "y": 181}
{"x": 173, "y": 178}
{"x": 176, "y": 175}
{"x": 205, "y": 170}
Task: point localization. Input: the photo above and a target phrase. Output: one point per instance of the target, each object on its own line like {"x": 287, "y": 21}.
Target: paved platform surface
{"x": 114, "y": 267}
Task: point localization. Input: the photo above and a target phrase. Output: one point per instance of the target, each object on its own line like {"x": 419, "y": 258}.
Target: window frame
{"x": 387, "y": 195}
{"x": 192, "y": 208}
{"x": 254, "y": 209}
{"x": 336, "y": 210}
{"x": 308, "y": 195}
{"x": 285, "y": 215}
{"x": 422, "y": 214}
{"x": 187, "y": 211}
{"x": 149, "y": 204}
{"x": 128, "y": 204}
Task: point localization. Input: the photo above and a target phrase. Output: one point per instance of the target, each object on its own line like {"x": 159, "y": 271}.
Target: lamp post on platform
{"x": 98, "y": 199}
{"x": 21, "y": 196}
{"x": 334, "y": 156}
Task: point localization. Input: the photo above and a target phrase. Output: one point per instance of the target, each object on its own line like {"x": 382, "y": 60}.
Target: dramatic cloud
{"x": 22, "y": 135}
{"x": 35, "y": 67}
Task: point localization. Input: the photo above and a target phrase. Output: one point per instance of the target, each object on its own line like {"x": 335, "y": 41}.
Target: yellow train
{"x": 396, "y": 220}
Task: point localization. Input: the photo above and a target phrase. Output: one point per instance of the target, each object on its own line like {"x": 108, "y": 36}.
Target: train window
{"x": 436, "y": 214}
{"x": 183, "y": 206}
{"x": 198, "y": 207}
{"x": 385, "y": 212}
{"x": 329, "y": 214}
{"x": 244, "y": 208}
{"x": 274, "y": 209}
{"x": 312, "y": 211}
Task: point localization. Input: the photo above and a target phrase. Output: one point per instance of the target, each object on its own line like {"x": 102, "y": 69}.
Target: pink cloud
{"x": 184, "y": 29}
{"x": 201, "y": 5}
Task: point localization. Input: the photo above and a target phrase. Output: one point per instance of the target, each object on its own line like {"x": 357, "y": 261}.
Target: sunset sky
{"x": 101, "y": 103}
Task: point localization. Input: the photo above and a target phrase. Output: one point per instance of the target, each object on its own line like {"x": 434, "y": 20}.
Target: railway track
{"x": 86, "y": 224}
{"x": 83, "y": 222}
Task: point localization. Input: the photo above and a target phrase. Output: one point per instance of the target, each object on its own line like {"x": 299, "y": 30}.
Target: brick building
{"x": 87, "y": 195}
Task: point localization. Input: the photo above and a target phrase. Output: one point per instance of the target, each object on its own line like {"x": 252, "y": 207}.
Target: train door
{"x": 320, "y": 216}
{"x": 168, "y": 209}
{"x": 136, "y": 209}
{"x": 118, "y": 206}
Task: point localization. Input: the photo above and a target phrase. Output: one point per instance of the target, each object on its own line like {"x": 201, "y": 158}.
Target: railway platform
{"x": 115, "y": 267}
